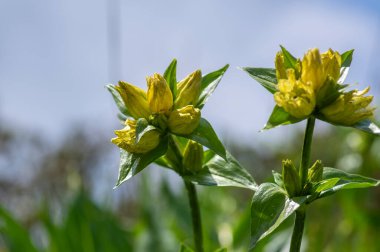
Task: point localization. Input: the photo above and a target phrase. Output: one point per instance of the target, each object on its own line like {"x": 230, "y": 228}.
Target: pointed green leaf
{"x": 206, "y": 136}
{"x": 277, "y": 177}
{"x": 13, "y": 235}
{"x": 270, "y": 207}
{"x": 220, "y": 172}
{"x": 132, "y": 163}
{"x": 185, "y": 248}
{"x": 367, "y": 126}
{"x": 170, "y": 76}
{"x": 142, "y": 127}
{"x": 280, "y": 117}
{"x": 345, "y": 181}
{"x": 118, "y": 100}
{"x": 209, "y": 83}
{"x": 346, "y": 58}
{"x": 265, "y": 76}
{"x": 289, "y": 60}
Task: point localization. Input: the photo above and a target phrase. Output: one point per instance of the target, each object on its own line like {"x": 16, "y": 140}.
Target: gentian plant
{"x": 308, "y": 89}
{"x": 164, "y": 125}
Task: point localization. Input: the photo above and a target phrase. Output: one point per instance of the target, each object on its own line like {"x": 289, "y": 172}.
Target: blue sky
{"x": 56, "y": 56}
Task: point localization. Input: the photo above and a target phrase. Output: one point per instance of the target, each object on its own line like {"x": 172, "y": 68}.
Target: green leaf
{"x": 170, "y": 76}
{"x": 289, "y": 60}
{"x": 132, "y": 163}
{"x": 205, "y": 135}
{"x": 270, "y": 207}
{"x": 220, "y": 172}
{"x": 13, "y": 235}
{"x": 265, "y": 76}
{"x": 280, "y": 117}
{"x": 142, "y": 127}
{"x": 185, "y": 248}
{"x": 278, "y": 179}
{"x": 221, "y": 250}
{"x": 208, "y": 84}
{"x": 345, "y": 181}
{"x": 367, "y": 126}
{"x": 118, "y": 100}
{"x": 346, "y": 58}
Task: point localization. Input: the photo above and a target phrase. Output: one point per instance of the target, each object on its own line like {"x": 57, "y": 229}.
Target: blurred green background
{"x": 57, "y": 208}
{"x": 58, "y": 167}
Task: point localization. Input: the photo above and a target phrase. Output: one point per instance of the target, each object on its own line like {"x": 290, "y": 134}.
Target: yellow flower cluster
{"x": 302, "y": 88}
{"x": 159, "y": 108}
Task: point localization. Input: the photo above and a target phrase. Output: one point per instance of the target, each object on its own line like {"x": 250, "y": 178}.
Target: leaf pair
{"x": 271, "y": 205}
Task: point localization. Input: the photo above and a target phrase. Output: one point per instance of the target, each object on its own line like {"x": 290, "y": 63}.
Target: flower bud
{"x": 294, "y": 96}
{"x": 332, "y": 61}
{"x": 315, "y": 172}
{"x": 126, "y": 139}
{"x": 280, "y": 67}
{"x": 313, "y": 72}
{"x": 134, "y": 99}
{"x": 291, "y": 178}
{"x": 350, "y": 108}
{"x": 193, "y": 156}
{"x": 184, "y": 121}
{"x": 160, "y": 98}
{"x": 189, "y": 89}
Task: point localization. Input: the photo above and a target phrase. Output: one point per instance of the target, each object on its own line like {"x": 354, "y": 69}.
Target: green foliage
{"x": 280, "y": 117}
{"x": 265, "y": 76}
{"x": 208, "y": 85}
{"x": 223, "y": 172}
{"x": 170, "y": 76}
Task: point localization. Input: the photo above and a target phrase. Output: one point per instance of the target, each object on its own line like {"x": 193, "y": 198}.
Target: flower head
{"x": 126, "y": 139}
{"x": 157, "y": 106}
{"x": 349, "y": 108}
{"x": 312, "y": 88}
{"x": 295, "y": 96}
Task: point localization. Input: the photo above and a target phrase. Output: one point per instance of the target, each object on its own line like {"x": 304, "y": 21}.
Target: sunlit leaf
{"x": 220, "y": 172}
{"x": 118, "y": 100}
{"x": 345, "y": 181}
{"x": 132, "y": 163}
{"x": 368, "y": 126}
{"x": 270, "y": 207}
{"x": 280, "y": 117}
{"x": 289, "y": 60}
{"x": 346, "y": 63}
{"x": 209, "y": 83}
{"x": 206, "y": 136}
{"x": 170, "y": 76}
{"x": 265, "y": 76}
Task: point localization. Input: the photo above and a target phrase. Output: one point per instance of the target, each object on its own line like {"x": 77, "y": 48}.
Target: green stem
{"x": 305, "y": 161}
{"x": 304, "y": 168}
{"x": 299, "y": 224}
{"x": 196, "y": 216}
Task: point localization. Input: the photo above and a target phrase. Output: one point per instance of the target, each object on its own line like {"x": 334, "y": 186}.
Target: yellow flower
{"x": 160, "y": 98}
{"x": 193, "y": 156}
{"x": 126, "y": 139}
{"x": 332, "y": 62}
{"x": 134, "y": 99}
{"x": 349, "y": 108}
{"x": 189, "y": 89}
{"x": 280, "y": 67}
{"x": 184, "y": 121}
{"x": 313, "y": 71}
{"x": 295, "y": 96}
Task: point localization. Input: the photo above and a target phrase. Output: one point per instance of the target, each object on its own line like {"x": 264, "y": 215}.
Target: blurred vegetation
{"x": 52, "y": 199}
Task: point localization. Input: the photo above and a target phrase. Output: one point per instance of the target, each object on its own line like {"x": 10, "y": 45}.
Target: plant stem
{"x": 295, "y": 245}
{"x": 305, "y": 160}
{"x": 196, "y": 216}
{"x": 299, "y": 224}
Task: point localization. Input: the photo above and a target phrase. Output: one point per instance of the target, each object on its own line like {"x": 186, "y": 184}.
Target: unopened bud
{"x": 184, "y": 121}
{"x": 160, "y": 98}
{"x": 291, "y": 178}
{"x": 193, "y": 156}
{"x": 315, "y": 172}
{"x": 189, "y": 89}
